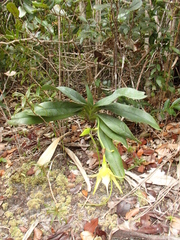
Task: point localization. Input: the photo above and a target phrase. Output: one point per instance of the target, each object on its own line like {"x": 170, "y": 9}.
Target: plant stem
{"x": 91, "y": 136}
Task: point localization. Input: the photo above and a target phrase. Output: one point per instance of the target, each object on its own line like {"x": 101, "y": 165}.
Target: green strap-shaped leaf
{"x": 176, "y": 104}
{"x": 24, "y": 118}
{"x": 72, "y": 94}
{"x": 47, "y": 112}
{"x": 132, "y": 113}
{"x": 122, "y": 92}
{"x": 112, "y": 155}
{"x": 112, "y": 134}
{"x": 89, "y": 96}
{"x": 117, "y": 126}
{"x": 52, "y": 109}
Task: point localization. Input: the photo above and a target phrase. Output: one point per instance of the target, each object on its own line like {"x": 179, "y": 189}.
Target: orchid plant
{"x": 110, "y": 129}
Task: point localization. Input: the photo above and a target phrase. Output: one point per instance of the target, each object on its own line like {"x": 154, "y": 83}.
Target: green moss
{"x": 34, "y": 203}
{"x": 62, "y": 181}
{"x": 13, "y": 223}
{"x": 8, "y": 214}
{"x": 5, "y": 206}
{"x": 16, "y": 233}
{"x": 111, "y": 221}
{"x": 9, "y": 192}
{"x": 72, "y": 167}
{"x": 79, "y": 179}
{"x": 16, "y": 178}
{"x": 38, "y": 195}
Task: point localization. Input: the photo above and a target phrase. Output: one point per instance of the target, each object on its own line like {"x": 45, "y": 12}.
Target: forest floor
{"x": 53, "y": 202}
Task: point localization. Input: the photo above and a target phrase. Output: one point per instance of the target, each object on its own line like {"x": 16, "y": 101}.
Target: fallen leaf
{"x": 148, "y": 152}
{"x": 85, "y": 193}
{"x": 31, "y": 171}
{"x": 91, "y": 226}
{"x": 23, "y": 229}
{"x": 140, "y": 152}
{"x": 74, "y": 128}
{"x": 173, "y": 128}
{"x": 132, "y": 213}
{"x": 100, "y": 233}
{"x": 122, "y": 208}
{"x": 171, "y": 125}
{"x": 37, "y": 234}
{"x": 160, "y": 160}
{"x": 52, "y": 230}
{"x": 143, "y": 141}
{"x": 11, "y": 150}
{"x": 48, "y": 153}
{"x": 2, "y": 172}
{"x": 158, "y": 177}
{"x": 141, "y": 169}
{"x": 145, "y": 220}
{"x": 79, "y": 165}
{"x": 121, "y": 148}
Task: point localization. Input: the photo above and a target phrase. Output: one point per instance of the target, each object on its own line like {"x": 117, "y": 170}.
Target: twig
{"x": 28, "y": 233}
{"x": 139, "y": 79}
{"x": 52, "y": 194}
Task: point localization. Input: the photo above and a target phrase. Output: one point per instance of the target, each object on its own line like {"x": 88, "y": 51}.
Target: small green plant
{"x": 58, "y": 211}
{"x": 171, "y": 108}
{"x": 137, "y": 163}
{"x": 108, "y": 127}
{"x": 3, "y": 160}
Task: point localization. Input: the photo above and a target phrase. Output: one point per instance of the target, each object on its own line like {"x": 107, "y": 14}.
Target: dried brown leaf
{"x": 85, "y": 193}
{"x": 31, "y": 171}
{"x": 100, "y": 233}
{"x": 23, "y": 229}
{"x": 140, "y": 152}
{"x": 132, "y": 213}
{"x": 145, "y": 220}
{"x": 148, "y": 151}
{"x": 37, "y": 234}
{"x": 2, "y": 172}
{"x": 141, "y": 169}
{"x": 91, "y": 226}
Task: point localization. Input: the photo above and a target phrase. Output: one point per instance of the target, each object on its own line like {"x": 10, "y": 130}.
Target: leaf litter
{"x": 148, "y": 208}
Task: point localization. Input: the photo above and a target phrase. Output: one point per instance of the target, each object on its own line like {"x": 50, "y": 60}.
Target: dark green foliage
{"x": 109, "y": 128}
